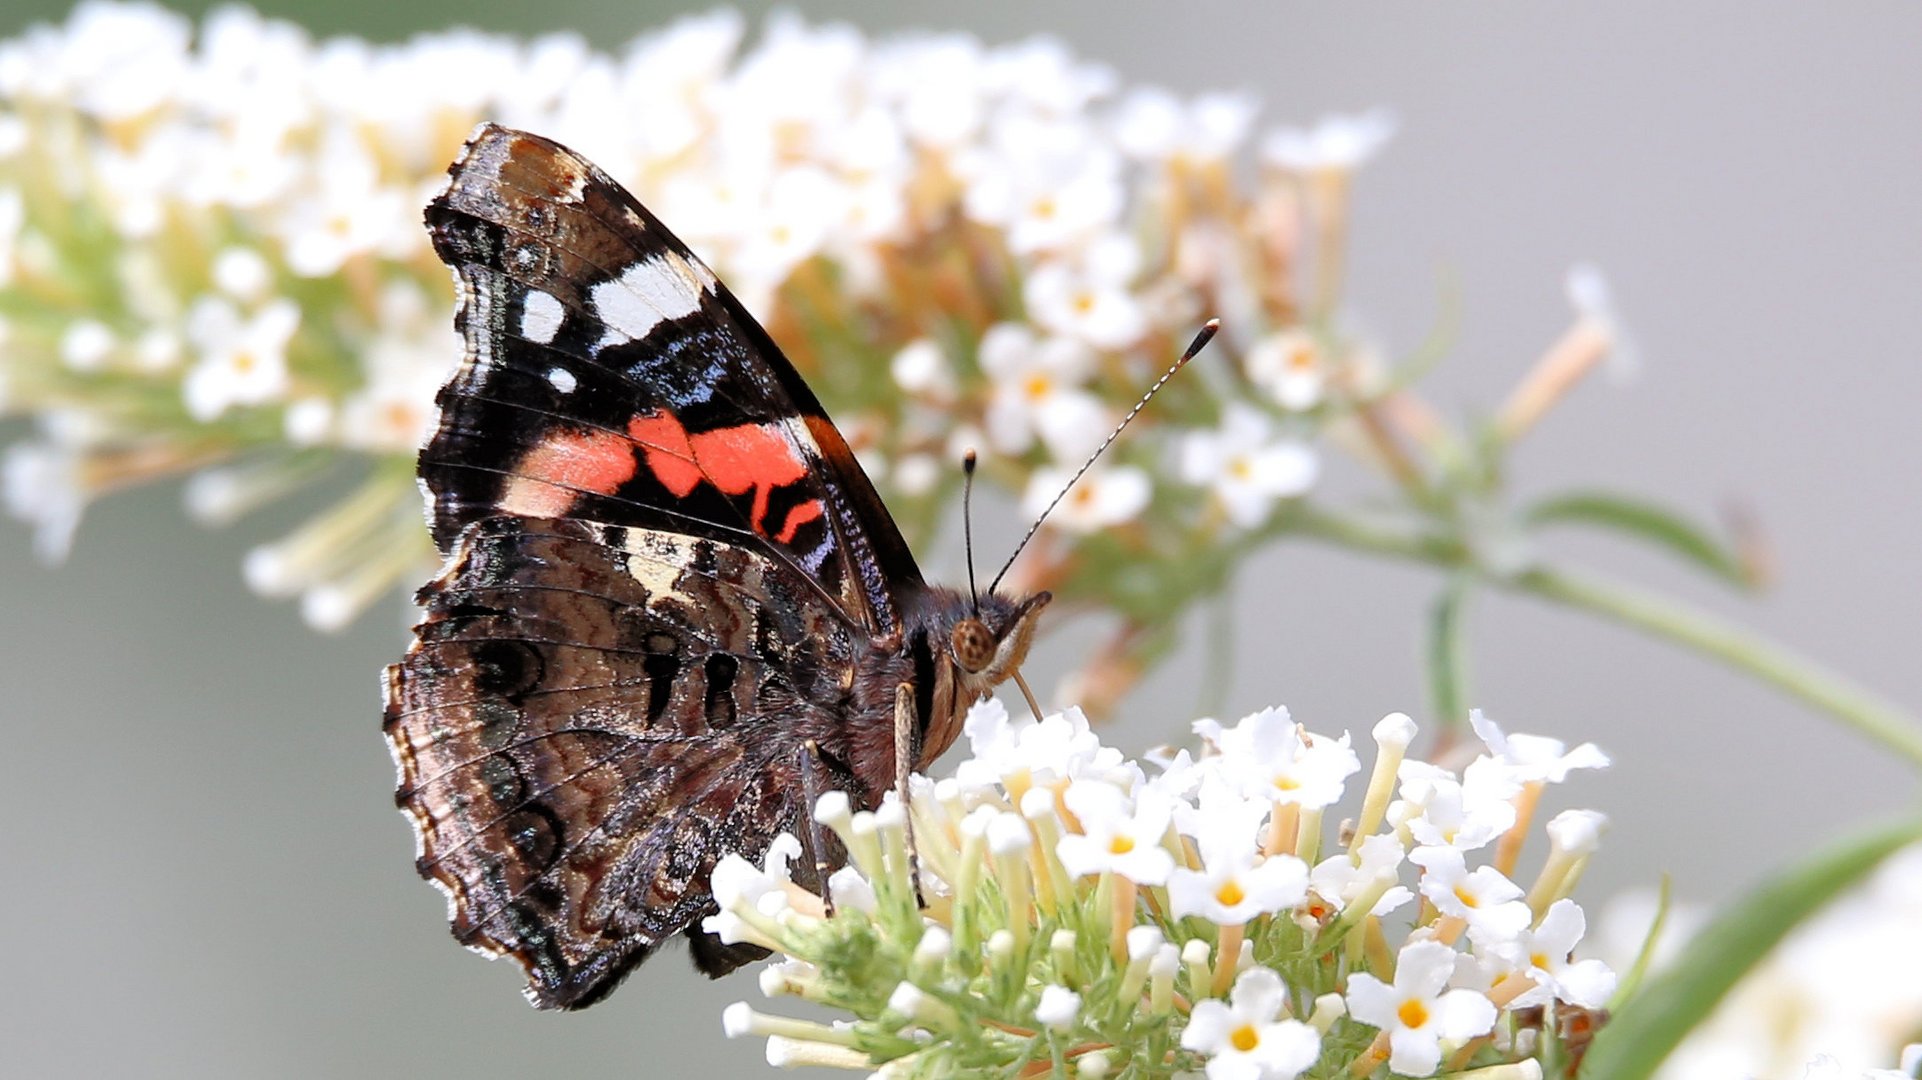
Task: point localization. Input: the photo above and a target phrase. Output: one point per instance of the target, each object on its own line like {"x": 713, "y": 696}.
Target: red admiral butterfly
{"x": 672, "y": 601}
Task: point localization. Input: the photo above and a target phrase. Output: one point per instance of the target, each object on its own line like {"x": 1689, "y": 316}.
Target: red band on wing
{"x": 669, "y": 456}
{"x": 736, "y": 460}
{"x": 549, "y": 476}
{"x": 797, "y": 517}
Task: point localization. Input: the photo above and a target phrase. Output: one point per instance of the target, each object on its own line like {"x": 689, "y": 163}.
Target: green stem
{"x": 1658, "y": 616}
{"x": 1862, "y": 709}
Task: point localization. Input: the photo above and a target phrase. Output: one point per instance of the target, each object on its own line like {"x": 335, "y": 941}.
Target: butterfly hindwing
{"x": 590, "y": 717}
{"x": 609, "y": 376}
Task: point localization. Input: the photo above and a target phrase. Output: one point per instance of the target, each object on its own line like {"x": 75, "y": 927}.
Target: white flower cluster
{"x": 1068, "y": 898}
{"x": 211, "y": 253}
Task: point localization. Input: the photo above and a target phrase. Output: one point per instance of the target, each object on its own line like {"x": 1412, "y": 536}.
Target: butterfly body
{"x": 669, "y": 592}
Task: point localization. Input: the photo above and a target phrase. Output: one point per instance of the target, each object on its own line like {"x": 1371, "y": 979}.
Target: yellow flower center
{"x": 245, "y": 361}
{"x": 1230, "y": 894}
{"x": 1037, "y": 387}
{"x": 1240, "y": 468}
{"x": 1245, "y": 1038}
{"x": 1302, "y": 360}
{"x": 1083, "y": 303}
{"x": 1044, "y": 207}
{"x": 1121, "y": 845}
{"x": 1412, "y": 1014}
{"x": 1540, "y": 960}
{"x": 1467, "y": 898}
{"x": 1284, "y": 782}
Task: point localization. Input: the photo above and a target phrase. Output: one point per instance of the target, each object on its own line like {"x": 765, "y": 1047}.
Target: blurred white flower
{"x": 1104, "y": 496}
{"x": 1289, "y": 366}
{"x": 1152, "y": 124}
{"x": 1335, "y": 143}
{"x": 43, "y": 486}
{"x": 1036, "y": 390}
{"x": 1088, "y": 297}
{"x": 242, "y": 358}
{"x": 1246, "y": 467}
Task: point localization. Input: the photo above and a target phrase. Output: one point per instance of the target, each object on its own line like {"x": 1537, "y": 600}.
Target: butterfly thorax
{"x": 952, "y": 653}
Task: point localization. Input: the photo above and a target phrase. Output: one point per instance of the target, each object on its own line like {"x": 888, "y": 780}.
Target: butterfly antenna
{"x": 968, "y": 461}
{"x": 1200, "y": 342}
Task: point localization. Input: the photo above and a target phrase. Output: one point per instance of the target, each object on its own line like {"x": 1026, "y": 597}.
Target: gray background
{"x": 203, "y": 872}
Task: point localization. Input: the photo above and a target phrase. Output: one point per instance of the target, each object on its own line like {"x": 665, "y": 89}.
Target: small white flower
{"x": 1118, "y": 835}
{"x": 1269, "y": 756}
{"x": 121, "y": 61}
{"x": 1233, "y": 887}
{"x": 1289, "y": 366}
{"x": 1415, "y": 1010}
{"x": 849, "y": 890}
{"x": 1050, "y": 184}
{"x": 1544, "y": 953}
{"x": 1340, "y": 880}
{"x": 242, "y": 273}
{"x": 1089, "y": 297}
{"x": 915, "y": 474}
{"x": 1535, "y": 758}
{"x": 1577, "y": 832}
{"x": 349, "y": 211}
{"x": 86, "y": 345}
{"x": 738, "y": 885}
{"x": 1594, "y": 302}
{"x": 1154, "y": 125}
{"x": 1036, "y": 390}
{"x": 243, "y": 359}
{"x": 1484, "y": 898}
{"x": 735, "y": 880}
{"x": 1060, "y": 746}
{"x": 1058, "y": 1008}
{"x": 919, "y": 368}
{"x": 1335, "y": 143}
{"x": 1244, "y": 1039}
{"x": 1437, "y": 809}
{"x": 1246, "y": 469}
{"x": 1101, "y": 498}
{"x": 43, "y": 486}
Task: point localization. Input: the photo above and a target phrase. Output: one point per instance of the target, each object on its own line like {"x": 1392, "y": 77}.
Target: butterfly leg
{"x": 814, "y": 844}
{"x": 903, "y": 763}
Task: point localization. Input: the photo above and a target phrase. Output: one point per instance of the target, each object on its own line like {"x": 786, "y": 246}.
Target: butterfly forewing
{"x": 609, "y": 376}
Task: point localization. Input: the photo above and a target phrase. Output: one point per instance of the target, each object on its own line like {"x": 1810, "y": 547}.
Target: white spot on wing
{"x": 541, "y": 316}
{"x": 650, "y": 293}
{"x": 562, "y": 380}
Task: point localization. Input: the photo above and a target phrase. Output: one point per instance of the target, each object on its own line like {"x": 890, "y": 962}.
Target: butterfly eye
{"x": 973, "y": 645}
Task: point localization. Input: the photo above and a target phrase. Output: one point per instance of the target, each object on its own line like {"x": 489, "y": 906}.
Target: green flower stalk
{"x": 1063, "y": 912}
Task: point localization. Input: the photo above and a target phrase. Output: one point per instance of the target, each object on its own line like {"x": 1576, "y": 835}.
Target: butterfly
{"x": 672, "y": 603}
